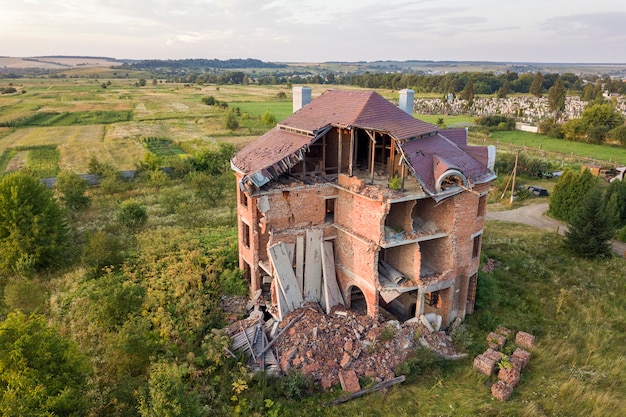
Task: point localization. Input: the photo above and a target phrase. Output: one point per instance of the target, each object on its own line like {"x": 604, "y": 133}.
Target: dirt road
{"x": 534, "y": 215}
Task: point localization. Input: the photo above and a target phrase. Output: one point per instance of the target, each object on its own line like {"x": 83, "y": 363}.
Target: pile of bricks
{"x": 509, "y": 374}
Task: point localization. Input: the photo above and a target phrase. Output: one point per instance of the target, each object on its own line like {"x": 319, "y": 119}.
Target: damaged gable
{"x": 435, "y": 160}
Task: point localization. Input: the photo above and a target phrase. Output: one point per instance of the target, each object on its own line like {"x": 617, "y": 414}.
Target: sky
{"x": 318, "y": 30}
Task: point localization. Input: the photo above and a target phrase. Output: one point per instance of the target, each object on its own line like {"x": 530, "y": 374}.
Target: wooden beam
{"x": 377, "y": 387}
{"x": 352, "y": 150}
{"x": 373, "y": 145}
{"x": 339, "y": 150}
{"x": 287, "y": 327}
{"x": 324, "y": 154}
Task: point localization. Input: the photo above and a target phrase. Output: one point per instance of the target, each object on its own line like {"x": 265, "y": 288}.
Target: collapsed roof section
{"x": 436, "y": 161}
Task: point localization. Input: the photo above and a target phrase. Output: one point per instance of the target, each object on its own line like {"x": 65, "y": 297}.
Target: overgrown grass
{"x": 43, "y": 161}
{"x": 280, "y": 109}
{"x": 448, "y": 120}
{"x": 78, "y": 118}
{"x": 575, "y": 308}
{"x": 162, "y": 147}
{"x": 533, "y": 140}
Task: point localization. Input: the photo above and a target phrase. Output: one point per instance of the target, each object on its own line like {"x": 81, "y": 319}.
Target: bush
{"x": 102, "y": 250}
{"x": 268, "y": 119}
{"x": 209, "y": 101}
{"x": 231, "y": 122}
{"x": 33, "y": 232}
{"x": 132, "y": 214}
{"x": 72, "y": 189}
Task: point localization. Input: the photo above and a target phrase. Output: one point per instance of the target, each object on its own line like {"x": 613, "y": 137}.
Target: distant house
{"x": 352, "y": 200}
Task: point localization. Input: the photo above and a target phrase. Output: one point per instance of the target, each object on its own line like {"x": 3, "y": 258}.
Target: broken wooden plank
{"x": 287, "y": 327}
{"x": 312, "y": 267}
{"x": 332, "y": 295}
{"x": 286, "y": 279}
{"x": 300, "y": 260}
{"x": 377, "y": 387}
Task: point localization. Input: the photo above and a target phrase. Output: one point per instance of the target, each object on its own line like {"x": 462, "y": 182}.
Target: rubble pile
{"x": 326, "y": 347}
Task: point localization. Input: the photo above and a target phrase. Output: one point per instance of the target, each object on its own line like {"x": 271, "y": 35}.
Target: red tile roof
{"x": 430, "y": 157}
{"x": 270, "y": 148}
{"x": 429, "y": 154}
{"x": 363, "y": 109}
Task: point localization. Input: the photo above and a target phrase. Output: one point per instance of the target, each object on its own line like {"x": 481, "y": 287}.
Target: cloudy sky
{"x": 318, "y": 30}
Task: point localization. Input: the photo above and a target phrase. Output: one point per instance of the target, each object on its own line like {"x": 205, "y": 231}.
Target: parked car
{"x": 538, "y": 191}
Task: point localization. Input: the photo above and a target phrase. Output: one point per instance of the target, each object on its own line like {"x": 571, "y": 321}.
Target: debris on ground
{"x": 344, "y": 343}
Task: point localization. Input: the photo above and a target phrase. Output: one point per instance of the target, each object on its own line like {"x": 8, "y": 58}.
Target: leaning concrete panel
{"x": 313, "y": 266}
{"x": 286, "y": 279}
{"x": 332, "y": 294}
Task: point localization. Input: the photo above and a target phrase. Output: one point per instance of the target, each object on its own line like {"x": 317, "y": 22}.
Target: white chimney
{"x": 301, "y": 97}
{"x": 406, "y": 101}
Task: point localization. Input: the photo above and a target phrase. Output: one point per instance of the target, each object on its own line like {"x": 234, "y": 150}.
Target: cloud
{"x": 594, "y": 26}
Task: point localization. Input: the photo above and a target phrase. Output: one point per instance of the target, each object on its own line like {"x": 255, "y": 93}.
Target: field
{"x": 584, "y": 150}
{"x": 135, "y": 299}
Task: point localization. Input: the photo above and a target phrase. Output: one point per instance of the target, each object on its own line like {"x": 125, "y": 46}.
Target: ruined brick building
{"x": 352, "y": 200}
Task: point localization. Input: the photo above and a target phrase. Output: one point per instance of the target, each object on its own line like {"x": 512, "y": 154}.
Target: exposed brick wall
{"x": 361, "y": 215}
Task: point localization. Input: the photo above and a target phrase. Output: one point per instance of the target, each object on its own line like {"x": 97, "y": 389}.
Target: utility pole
{"x": 514, "y": 173}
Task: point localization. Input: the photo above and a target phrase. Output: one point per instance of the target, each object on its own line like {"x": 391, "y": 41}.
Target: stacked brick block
{"x": 509, "y": 368}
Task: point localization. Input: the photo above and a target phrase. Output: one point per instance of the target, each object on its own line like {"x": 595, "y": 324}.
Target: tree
{"x": 468, "y": 93}
{"x": 504, "y": 90}
{"x": 556, "y": 97}
{"x": 41, "y": 372}
{"x": 33, "y": 230}
{"x": 231, "y": 121}
{"x": 71, "y": 188}
{"x": 536, "y": 87}
{"x": 591, "y": 228}
{"x": 587, "y": 94}
{"x": 569, "y": 191}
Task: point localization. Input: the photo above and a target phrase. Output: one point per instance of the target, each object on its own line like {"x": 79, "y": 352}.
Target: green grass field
{"x": 586, "y": 150}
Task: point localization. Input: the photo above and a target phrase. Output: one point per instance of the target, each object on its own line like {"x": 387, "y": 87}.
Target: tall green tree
{"x": 41, "y": 372}
{"x": 591, "y": 227}
{"x": 536, "y": 87}
{"x": 556, "y": 97}
{"x": 569, "y": 191}
{"x": 33, "y": 230}
{"x": 468, "y": 93}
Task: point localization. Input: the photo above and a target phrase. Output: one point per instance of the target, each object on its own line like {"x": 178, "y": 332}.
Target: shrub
{"x": 268, "y": 119}
{"x": 72, "y": 190}
{"x": 132, "y": 214}
{"x": 231, "y": 122}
